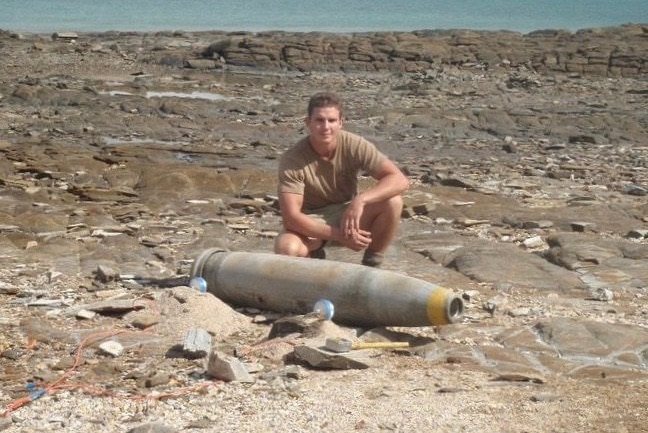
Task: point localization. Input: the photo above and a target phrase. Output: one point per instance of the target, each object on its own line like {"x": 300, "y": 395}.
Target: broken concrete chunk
{"x": 106, "y": 274}
{"x": 196, "y": 343}
{"x": 228, "y": 368}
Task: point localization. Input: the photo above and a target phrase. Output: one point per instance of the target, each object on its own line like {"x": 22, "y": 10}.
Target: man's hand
{"x": 353, "y": 237}
{"x": 350, "y": 221}
{"x": 357, "y": 240}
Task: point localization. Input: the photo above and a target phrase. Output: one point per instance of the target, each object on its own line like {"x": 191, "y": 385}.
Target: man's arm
{"x": 296, "y": 221}
{"x": 391, "y": 182}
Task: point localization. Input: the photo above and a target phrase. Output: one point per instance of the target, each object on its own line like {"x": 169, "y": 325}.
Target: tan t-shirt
{"x": 321, "y": 182}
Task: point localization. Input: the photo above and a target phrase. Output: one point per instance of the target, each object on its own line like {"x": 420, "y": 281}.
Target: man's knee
{"x": 290, "y": 245}
{"x": 396, "y": 204}
{"x": 385, "y": 212}
{"x": 393, "y": 207}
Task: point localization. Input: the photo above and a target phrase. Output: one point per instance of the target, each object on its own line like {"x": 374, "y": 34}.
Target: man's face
{"x": 324, "y": 125}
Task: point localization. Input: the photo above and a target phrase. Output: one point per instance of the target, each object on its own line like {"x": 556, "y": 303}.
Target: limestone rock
{"x": 228, "y": 368}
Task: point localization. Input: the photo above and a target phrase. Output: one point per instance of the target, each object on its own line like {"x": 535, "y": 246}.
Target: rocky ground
{"x": 126, "y": 155}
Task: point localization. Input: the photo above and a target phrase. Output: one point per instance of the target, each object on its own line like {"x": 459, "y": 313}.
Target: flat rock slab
{"x": 320, "y": 358}
{"x": 554, "y": 346}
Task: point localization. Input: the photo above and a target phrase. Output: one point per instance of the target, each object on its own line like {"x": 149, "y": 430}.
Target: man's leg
{"x": 382, "y": 220}
{"x": 292, "y": 244}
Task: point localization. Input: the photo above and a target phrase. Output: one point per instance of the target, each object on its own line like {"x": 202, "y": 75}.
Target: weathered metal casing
{"x": 362, "y": 296}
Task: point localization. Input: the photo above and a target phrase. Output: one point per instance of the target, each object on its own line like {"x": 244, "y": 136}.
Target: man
{"x": 318, "y": 189}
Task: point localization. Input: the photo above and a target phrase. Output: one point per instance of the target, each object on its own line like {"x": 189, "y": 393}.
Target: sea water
{"x": 302, "y": 15}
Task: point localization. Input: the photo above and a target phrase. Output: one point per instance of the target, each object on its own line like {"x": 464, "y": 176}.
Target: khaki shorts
{"x": 331, "y": 214}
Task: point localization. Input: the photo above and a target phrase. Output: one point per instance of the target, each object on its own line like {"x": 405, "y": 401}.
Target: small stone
{"x": 115, "y": 306}
{"x": 65, "y": 363}
{"x": 545, "y": 397}
{"x": 309, "y": 325}
{"x": 227, "y": 368}
{"x": 68, "y": 36}
{"x": 421, "y": 209}
{"x": 106, "y": 274}
{"x": 85, "y": 314}
{"x": 12, "y": 354}
{"x": 110, "y": 294}
{"x": 202, "y": 423}
{"x": 8, "y": 289}
{"x": 450, "y": 390}
{"x": 602, "y": 294}
{"x": 145, "y": 319}
{"x": 154, "y": 427}
{"x": 534, "y": 242}
{"x": 494, "y": 304}
{"x": 467, "y": 222}
{"x": 260, "y": 318}
{"x": 635, "y": 190}
{"x": 510, "y": 145}
{"x": 52, "y": 276}
{"x": 239, "y": 227}
{"x": 406, "y": 214}
{"x": 5, "y": 423}
{"x": 519, "y": 377}
{"x": 582, "y": 226}
{"x": 541, "y": 224}
{"x": 469, "y": 295}
{"x": 111, "y": 348}
{"x": 254, "y": 367}
{"x": 51, "y": 303}
{"x": 519, "y": 312}
{"x": 637, "y": 234}
{"x": 268, "y": 234}
{"x": 157, "y": 379}
{"x": 293, "y": 372}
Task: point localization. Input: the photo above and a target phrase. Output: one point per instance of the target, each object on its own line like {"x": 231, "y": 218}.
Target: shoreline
{"x": 341, "y": 32}
{"x": 618, "y": 51}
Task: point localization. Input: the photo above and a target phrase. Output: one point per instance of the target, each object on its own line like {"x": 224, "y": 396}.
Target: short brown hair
{"x": 324, "y": 99}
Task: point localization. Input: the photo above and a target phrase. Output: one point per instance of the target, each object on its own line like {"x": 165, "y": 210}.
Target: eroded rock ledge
{"x": 620, "y": 51}
{"x": 614, "y": 51}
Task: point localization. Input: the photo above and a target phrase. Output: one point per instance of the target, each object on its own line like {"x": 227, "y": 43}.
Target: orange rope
{"x": 59, "y": 383}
